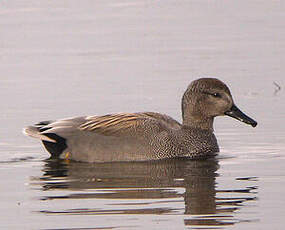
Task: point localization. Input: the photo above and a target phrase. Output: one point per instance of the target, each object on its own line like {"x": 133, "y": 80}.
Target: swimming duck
{"x": 146, "y": 135}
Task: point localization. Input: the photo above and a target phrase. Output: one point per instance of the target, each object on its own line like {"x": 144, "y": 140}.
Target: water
{"x": 70, "y": 58}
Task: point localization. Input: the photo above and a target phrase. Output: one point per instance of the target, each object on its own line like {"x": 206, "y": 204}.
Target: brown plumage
{"x": 113, "y": 124}
{"x": 147, "y": 135}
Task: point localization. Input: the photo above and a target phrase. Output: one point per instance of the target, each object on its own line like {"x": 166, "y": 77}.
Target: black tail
{"x": 54, "y": 148}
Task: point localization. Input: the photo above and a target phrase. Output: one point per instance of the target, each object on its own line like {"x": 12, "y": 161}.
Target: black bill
{"x": 239, "y": 115}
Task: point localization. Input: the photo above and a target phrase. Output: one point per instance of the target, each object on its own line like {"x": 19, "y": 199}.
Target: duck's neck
{"x": 199, "y": 122}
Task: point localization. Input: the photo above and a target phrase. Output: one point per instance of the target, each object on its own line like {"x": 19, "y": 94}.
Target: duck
{"x": 144, "y": 136}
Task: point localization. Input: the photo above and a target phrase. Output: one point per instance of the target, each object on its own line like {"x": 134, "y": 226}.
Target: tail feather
{"x": 34, "y": 131}
{"x": 54, "y": 143}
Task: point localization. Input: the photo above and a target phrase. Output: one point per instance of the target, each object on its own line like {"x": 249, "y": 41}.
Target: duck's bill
{"x": 239, "y": 115}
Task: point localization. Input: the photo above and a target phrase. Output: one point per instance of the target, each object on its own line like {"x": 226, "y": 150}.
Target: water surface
{"x": 69, "y": 58}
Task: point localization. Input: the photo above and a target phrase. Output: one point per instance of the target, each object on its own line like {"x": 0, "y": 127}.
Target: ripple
{"x": 173, "y": 188}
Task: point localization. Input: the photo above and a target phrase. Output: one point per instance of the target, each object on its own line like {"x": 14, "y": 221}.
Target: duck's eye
{"x": 216, "y": 95}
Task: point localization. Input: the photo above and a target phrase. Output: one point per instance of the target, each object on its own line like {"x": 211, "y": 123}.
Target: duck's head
{"x": 207, "y": 98}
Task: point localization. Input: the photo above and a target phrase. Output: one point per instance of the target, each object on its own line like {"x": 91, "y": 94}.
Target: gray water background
{"x": 69, "y": 58}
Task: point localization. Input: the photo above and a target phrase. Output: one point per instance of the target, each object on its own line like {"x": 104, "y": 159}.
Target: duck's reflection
{"x": 172, "y": 182}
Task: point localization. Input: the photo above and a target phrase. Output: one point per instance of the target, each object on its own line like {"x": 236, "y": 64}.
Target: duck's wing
{"x": 113, "y": 124}
{"x": 108, "y": 125}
